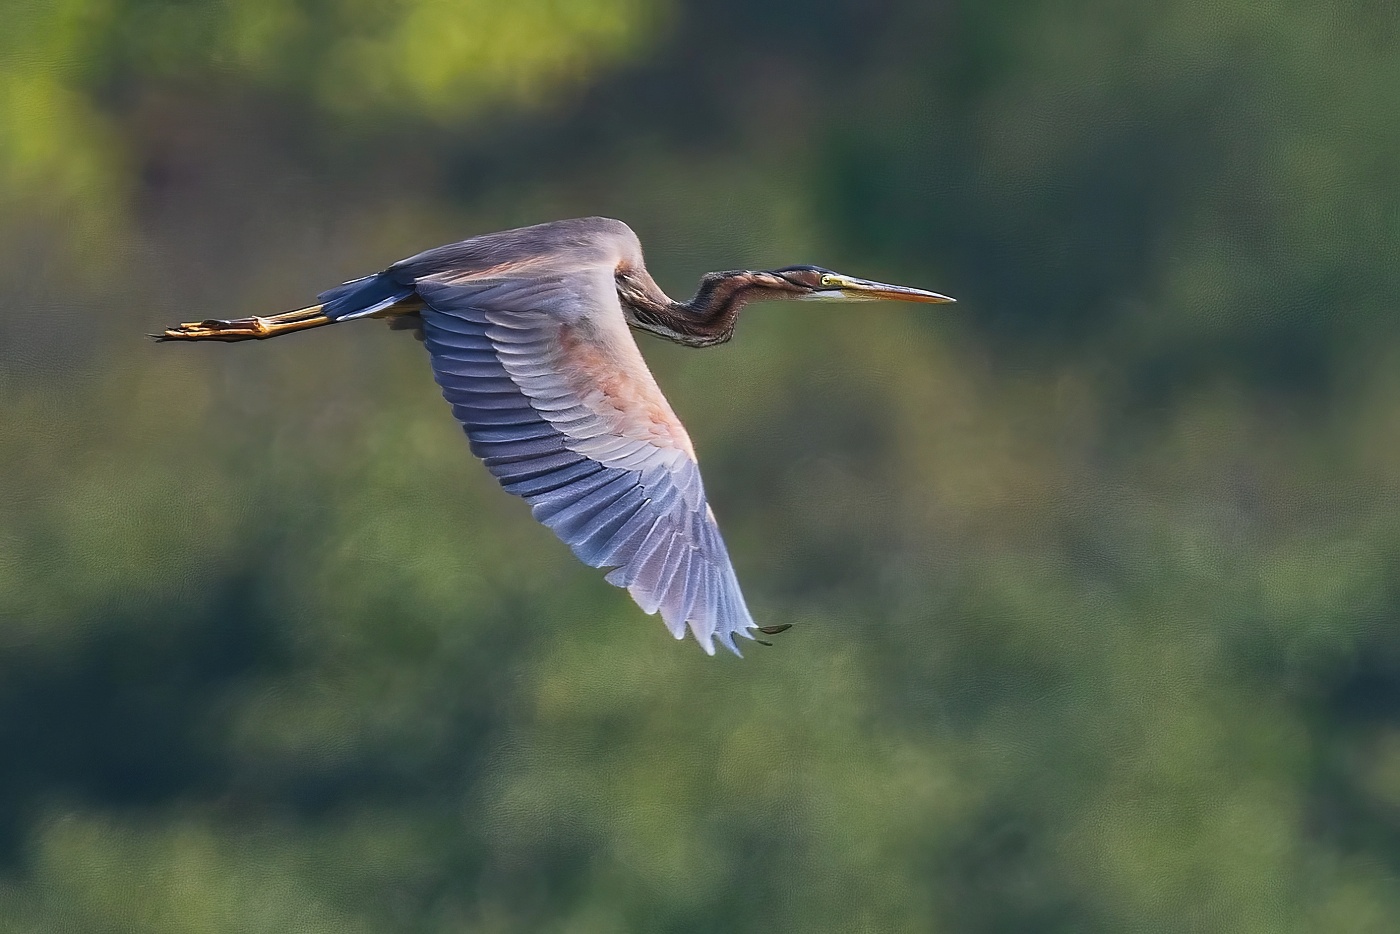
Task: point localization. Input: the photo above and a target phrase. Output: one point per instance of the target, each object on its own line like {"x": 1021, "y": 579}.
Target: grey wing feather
{"x": 617, "y": 502}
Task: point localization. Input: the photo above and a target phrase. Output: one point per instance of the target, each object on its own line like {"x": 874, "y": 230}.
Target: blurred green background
{"x": 1093, "y": 575}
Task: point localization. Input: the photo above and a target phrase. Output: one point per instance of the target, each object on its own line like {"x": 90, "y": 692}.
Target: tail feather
{"x": 361, "y": 298}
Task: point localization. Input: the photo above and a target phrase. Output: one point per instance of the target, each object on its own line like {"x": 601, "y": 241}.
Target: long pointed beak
{"x": 864, "y": 289}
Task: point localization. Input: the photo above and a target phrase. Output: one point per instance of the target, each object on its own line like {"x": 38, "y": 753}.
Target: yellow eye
{"x": 828, "y": 280}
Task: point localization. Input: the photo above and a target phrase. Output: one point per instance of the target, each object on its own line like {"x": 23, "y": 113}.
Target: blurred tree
{"x": 69, "y": 68}
{"x": 1092, "y": 575}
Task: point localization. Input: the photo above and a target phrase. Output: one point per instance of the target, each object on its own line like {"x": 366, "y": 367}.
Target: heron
{"x": 527, "y": 332}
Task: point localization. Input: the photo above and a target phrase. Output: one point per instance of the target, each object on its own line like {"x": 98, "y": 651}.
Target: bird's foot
{"x": 255, "y": 328}
{"x": 214, "y": 329}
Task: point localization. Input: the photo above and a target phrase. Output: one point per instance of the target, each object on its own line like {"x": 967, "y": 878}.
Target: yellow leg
{"x": 247, "y": 329}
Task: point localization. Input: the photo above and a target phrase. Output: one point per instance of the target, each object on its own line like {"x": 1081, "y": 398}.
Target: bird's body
{"x": 528, "y": 334}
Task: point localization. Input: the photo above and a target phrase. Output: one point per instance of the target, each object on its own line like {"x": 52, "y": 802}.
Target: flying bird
{"x": 527, "y": 334}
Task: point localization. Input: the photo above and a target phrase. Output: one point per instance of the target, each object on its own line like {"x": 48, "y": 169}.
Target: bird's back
{"x": 556, "y": 247}
{"x": 565, "y": 247}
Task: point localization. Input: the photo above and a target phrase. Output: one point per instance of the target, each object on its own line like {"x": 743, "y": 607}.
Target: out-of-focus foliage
{"x": 66, "y": 65}
{"x": 1092, "y": 575}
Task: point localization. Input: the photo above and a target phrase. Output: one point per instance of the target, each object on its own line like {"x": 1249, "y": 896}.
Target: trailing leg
{"x": 255, "y": 328}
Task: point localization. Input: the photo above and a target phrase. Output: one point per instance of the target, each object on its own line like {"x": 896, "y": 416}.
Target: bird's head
{"x": 813, "y": 283}
{"x": 708, "y": 318}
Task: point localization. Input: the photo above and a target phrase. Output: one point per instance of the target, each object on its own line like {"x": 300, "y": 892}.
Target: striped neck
{"x": 708, "y": 318}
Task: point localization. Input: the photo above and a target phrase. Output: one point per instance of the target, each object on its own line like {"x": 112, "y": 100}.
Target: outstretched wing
{"x": 545, "y": 377}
